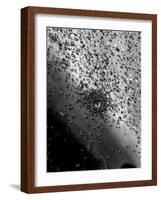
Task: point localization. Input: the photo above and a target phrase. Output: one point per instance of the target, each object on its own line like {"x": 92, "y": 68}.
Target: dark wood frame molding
{"x": 28, "y": 94}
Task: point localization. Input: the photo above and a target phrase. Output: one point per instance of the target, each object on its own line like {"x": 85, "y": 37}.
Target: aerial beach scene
{"x": 93, "y": 99}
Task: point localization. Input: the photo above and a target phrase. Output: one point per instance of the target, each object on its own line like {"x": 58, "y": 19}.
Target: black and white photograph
{"x": 89, "y": 99}
{"x": 93, "y": 99}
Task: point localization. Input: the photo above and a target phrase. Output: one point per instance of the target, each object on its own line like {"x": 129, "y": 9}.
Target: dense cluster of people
{"x": 94, "y": 85}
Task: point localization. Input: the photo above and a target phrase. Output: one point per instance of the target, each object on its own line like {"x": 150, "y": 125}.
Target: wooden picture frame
{"x": 28, "y": 98}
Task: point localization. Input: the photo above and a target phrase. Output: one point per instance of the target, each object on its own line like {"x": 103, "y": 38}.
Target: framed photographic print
{"x": 88, "y": 99}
